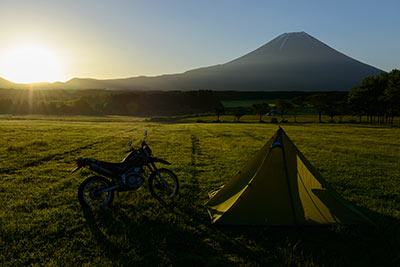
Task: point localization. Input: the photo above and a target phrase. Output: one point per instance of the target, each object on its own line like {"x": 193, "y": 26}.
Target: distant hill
{"x": 290, "y": 62}
{"x": 7, "y": 84}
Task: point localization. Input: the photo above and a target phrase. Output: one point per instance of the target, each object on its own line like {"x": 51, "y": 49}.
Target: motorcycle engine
{"x": 133, "y": 179}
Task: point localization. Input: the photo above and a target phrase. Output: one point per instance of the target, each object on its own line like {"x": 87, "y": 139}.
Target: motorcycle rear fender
{"x": 80, "y": 163}
{"x": 83, "y": 162}
{"x": 160, "y": 160}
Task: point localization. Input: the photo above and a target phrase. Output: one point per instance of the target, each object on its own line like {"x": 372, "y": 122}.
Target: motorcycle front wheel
{"x": 163, "y": 185}
{"x": 90, "y": 194}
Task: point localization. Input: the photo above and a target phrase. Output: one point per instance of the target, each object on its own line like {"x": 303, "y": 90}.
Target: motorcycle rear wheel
{"x": 89, "y": 192}
{"x": 166, "y": 188}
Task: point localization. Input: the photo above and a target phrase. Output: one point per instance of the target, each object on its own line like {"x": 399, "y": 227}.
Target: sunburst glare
{"x": 30, "y": 63}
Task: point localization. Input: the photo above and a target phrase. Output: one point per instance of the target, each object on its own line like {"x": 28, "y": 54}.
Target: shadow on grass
{"x": 325, "y": 245}
{"x": 130, "y": 241}
{"x": 181, "y": 234}
{"x": 330, "y": 245}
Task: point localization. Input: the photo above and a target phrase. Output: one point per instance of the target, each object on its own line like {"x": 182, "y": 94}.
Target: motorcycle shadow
{"x": 127, "y": 238}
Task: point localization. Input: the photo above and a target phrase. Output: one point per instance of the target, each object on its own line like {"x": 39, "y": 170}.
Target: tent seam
{"x": 246, "y": 186}
{"x": 288, "y": 183}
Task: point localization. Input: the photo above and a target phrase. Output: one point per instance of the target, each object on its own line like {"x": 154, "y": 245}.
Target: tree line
{"x": 107, "y": 102}
{"x": 377, "y": 99}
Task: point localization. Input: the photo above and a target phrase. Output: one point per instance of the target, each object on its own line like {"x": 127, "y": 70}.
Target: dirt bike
{"x": 127, "y": 175}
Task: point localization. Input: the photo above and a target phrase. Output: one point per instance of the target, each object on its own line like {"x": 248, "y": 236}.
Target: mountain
{"x": 10, "y": 85}
{"x": 290, "y": 62}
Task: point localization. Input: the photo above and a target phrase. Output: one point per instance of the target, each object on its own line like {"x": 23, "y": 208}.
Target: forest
{"x": 103, "y": 102}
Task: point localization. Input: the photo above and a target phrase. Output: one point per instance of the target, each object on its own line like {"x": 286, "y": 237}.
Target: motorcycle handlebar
{"x": 130, "y": 150}
{"x": 133, "y": 149}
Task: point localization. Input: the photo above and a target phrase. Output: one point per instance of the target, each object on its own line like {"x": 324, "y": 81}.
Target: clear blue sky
{"x": 111, "y": 39}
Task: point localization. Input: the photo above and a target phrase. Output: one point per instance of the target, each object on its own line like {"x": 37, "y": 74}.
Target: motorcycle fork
{"x": 153, "y": 168}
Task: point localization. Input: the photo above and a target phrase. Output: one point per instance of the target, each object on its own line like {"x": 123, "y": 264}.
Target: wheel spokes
{"x": 165, "y": 186}
{"x": 93, "y": 195}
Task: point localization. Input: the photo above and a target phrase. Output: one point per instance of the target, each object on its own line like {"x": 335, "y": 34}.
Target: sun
{"x": 30, "y": 63}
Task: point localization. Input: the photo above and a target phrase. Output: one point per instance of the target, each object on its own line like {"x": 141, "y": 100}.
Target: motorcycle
{"x": 98, "y": 191}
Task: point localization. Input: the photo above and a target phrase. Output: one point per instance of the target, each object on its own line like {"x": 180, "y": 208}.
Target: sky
{"x": 125, "y": 38}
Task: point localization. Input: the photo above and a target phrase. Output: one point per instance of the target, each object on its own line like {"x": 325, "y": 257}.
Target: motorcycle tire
{"x": 90, "y": 197}
{"x": 160, "y": 190}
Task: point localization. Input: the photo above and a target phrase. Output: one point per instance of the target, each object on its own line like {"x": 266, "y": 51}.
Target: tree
{"x": 381, "y": 83}
{"x": 392, "y": 93}
{"x": 357, "y": 97}
{"x": 5, "y": 105}
{"x": 62, "y": 109}
{"x": 298, "y": 104}
{"x": 260, "y": 109}
{"x": 342, "y": 109}
{"x": 331, "y": 110}
{"x": 319, "y": 103}
{"x": 238, "y": 113}
{"x": 282, "y": 106}
{"x": 82, "y": 107}
{"x": 22, "y": 107}
{"x": 336, "y": 105}
{"x": 368, "y": 98}
{"x": 219, "y": 110}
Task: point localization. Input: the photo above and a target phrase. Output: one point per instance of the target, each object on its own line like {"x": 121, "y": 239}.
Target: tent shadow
{"x": 330, "y": 245}
{"x": 182, "y": 235}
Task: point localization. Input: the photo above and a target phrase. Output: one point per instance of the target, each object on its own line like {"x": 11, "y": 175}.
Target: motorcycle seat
{"x": 117, "y": 166}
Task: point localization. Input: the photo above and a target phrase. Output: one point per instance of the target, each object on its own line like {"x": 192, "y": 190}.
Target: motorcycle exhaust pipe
{"x": 111, "y": 188}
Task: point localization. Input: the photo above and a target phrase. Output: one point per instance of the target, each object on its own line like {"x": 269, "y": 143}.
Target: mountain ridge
{"x": 294, "y": 61}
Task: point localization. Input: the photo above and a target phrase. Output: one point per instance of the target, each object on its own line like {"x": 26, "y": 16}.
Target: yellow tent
{"x": 278, "y": 186}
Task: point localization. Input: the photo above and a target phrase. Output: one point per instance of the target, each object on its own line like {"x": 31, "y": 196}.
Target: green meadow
{"x": 42, "y": 223}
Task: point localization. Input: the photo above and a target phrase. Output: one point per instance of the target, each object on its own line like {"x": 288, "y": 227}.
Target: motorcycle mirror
{"x": 130, "y": 143}
{"x": 145, "y": 133}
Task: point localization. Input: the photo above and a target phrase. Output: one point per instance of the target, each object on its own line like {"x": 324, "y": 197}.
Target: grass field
{"x": 41, "y": 222}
